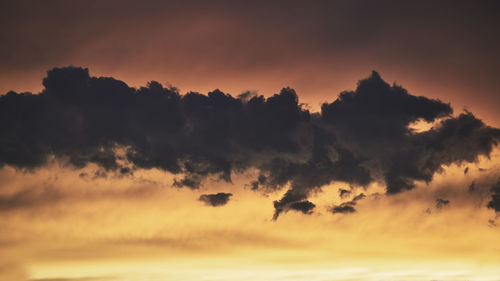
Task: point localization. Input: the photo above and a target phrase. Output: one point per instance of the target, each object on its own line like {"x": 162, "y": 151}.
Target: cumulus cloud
{"x": 361, "y": 137}
{"x": 215, "y": 200}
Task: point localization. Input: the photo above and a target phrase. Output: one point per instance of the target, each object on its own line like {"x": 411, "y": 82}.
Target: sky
{"x": 263, "y": 140}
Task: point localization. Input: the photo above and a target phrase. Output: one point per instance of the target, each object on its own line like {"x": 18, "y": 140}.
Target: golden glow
{"x": 124, "y": 228}
{"x": 60, "y": 224}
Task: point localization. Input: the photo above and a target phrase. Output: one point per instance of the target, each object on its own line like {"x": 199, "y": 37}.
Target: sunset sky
{"x": 249, "y": 140}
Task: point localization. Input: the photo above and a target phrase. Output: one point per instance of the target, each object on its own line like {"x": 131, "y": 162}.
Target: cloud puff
{"x": 347, "y": 207}
{"x": 361, "y": 137}
{"x": 288, "y": 203}
{"x": 494, "y": 203}
{"x": 344, "y": 193}
{"x": 373, "y": 122}
{"x": 215, "y": 200}
{"x": 441, "y": 203}
{"x": 304, "y": 206}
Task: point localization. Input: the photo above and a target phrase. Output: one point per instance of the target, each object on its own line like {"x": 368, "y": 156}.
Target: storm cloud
{"x": 361, "y": 137}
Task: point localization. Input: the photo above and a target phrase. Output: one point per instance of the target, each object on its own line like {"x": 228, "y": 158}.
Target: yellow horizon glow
{"x": 122, "y": 227}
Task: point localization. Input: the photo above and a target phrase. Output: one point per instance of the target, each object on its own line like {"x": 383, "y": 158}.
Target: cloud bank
{"x": 361, "y": 137}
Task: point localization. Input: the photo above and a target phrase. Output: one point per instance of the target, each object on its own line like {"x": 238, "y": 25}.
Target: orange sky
{"x": 59, "y": 225}
{"x": 320, "y": 50}
{"x": 137, "y": 228}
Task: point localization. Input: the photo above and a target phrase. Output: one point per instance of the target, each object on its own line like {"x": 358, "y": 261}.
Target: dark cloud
{"x": 361, "y": 137}
{"x": 215, "y": 200}
{"x": 373, "y": 123}
{"x": 347, "y": 207}
{"x": 441, "y": 203}
{"x": 284, "y": 204}
{"x": 358, "y": 197}
{"x": 344, "y": 193}
{"x": 261, "y": 181}
{"x": 344, "y": 208}
{"x": 495, "y": 197}
{"x": 304, "y": 206}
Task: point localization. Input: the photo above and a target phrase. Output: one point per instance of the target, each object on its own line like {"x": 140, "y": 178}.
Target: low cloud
{"x": 361, "y": 137}
{"x": 494, "y": 203}
{"x": 441, "y": 203}
{"x": 215, "y": 200}
{"x": 305, "y": 206}
{"x": 344, "y": 193}
{"x": 347, "y": 207}
{"x": 344, "y": 208}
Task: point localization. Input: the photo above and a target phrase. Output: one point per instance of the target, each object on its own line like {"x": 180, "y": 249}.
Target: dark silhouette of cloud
{"x": 359, "y": 197}
{"x": 344, "y": 193}
{"x": 373, "y": 121}
{"x": 347, "y": 207}
{"x": 494, "y": 203}
{"x": 441, "y": 203}
{"x": 304, "y": 206}
{"x": 215, "y": 200}
{"x": 361, "y": 137}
